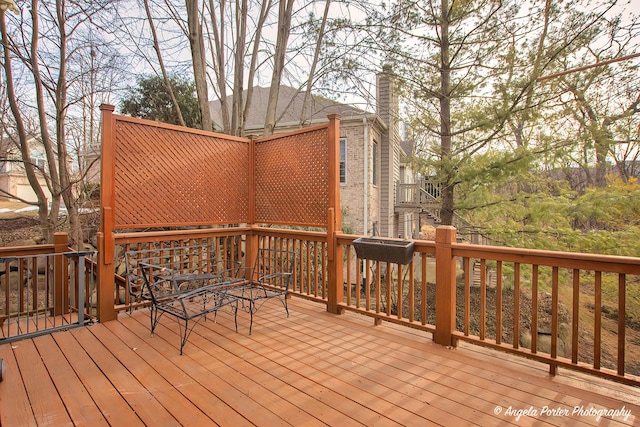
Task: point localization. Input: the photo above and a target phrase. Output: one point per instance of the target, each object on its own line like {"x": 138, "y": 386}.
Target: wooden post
{"x": 106, "y": 241}
{"x": 445, "y": 286}
{"x": 252, "y": 245}
{"x": 252, "y": 180}
{"x": 105, "y": 291}
{"x": 61, "y": 286}
{"x": 335, "y": 258}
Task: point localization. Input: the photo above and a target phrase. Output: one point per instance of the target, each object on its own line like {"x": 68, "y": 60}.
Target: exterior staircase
{"x": 423, "y": 197}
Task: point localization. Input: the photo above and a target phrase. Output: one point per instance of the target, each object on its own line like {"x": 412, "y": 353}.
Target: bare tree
{"x": 48, "y": 50}
{"x": 22, "y": 138}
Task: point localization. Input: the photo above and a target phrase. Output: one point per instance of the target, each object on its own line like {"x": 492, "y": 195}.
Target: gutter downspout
{"x": 365, "y": 215}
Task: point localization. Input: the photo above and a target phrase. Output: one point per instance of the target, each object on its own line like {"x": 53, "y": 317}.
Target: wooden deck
{"x": 312, "y": 368}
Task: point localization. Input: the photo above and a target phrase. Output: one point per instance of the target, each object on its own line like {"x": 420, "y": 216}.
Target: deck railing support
{"x": 445, "y": 286}
{"x": 61, "y": 243}
{"x": 106, "y": 240}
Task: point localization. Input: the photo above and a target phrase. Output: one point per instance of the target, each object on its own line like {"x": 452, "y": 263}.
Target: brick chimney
{"x": 387, "y": 107}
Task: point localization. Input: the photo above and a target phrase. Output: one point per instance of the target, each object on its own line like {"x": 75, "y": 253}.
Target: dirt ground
{"x": 17, "y": 227}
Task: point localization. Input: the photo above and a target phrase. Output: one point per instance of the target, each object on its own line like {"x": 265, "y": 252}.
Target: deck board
{"x": 39, "y": 386}
{"x": 313, "y": 368}
{"x": 112, "y": 405}
{"x": 15, "y": 408}
{"x": 72, "y": 391}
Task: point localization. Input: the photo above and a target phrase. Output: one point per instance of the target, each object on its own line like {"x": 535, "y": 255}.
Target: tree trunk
{"x": 446, "y": 212}
{"x": 75, "y": 232}
{"x": 284, "y": 26}
{"x": 219, "y": 62}
{"x": 54, "y": 177}
{"x": 196, "y": 42}
{"x": 264, "y": 13}
{"x": 237, "y": 122}
{"x": 316, "y": 55}
{"x": 165, "y": 77}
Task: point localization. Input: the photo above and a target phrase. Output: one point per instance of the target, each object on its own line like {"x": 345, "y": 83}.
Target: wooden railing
{"x": 392, "y": 292}
{"x": 566, "y": 316}
{"x": 561, "y": 309}
{"x": 231, "y": 244}
{"x": 225, "y": 244}
{"x": 552, "y": 307}
{"x": 310, "y": 277}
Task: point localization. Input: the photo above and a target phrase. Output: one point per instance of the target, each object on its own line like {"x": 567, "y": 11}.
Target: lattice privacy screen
{"x": 167, "y": 177}
{"x": 292, "y": 174}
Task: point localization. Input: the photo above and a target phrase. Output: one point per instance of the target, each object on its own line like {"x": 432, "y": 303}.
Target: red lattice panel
{"x": 166, "y": 177}
{"x": 292, "y": 175}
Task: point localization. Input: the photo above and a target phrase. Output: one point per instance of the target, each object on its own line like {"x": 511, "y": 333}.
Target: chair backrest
{"x": 274, "y": 267}
{"x": 178, "y": 259}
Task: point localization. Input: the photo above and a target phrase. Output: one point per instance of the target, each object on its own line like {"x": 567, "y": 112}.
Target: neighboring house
{"x": 90, "y": 157}
{"x": 372, "y": 160}
{"x": 13, "y": 178}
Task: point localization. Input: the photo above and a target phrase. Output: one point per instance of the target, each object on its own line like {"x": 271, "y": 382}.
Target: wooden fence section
{"x": 560, "y": 309}
{"x": 166, "y": 176}
{"x": 156, "y": 175}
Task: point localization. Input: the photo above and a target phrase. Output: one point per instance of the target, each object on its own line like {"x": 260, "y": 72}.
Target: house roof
{"x": 290, "y": 103}
{"x": 408, "y": 147}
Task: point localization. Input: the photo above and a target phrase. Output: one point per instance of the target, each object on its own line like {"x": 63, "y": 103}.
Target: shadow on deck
{"x": 313, "y": 368}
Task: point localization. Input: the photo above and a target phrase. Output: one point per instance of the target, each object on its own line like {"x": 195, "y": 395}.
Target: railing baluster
{"x": 400, "y": 285}
{"x": 315, "y": 268}
{"x": 423, "y": 283}
{"x": 378, "y": 286}
{"x": 622, "y": 309}
{"x": 534, "y": 309}
{"x": 516, "y": 305}
{"x": 553, "y": 368}
{"x": 499, "y": 302}
{"x": 324, "y": 294}
{"x": 307, "y": 264}
{"x": 597, "y": 323}
{"x": 575, "y": 316}
{"x": 348, "y": 256}
{"x": 367, "y": 284}
{"x": 358, "y": 281}
{"x": 412, "y": 293}
{"x": 468, "y": 273}
{"x": 388, "y": 285}
{"x": 483, "y": 298}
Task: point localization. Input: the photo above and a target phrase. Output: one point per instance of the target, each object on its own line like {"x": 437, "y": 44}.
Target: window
{"x": 37, "y": 159}
{"x": 375, "y": 163}
{"x": 343, "y": 160}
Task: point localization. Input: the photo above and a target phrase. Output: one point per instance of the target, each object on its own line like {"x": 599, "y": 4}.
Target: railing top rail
{"x": 69, "y": 254}
{"x": 146, "y": 236}
{"x": 320, "y": 236}
{"x": 15, "y": 251}
{"x": 609, "y": 263}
